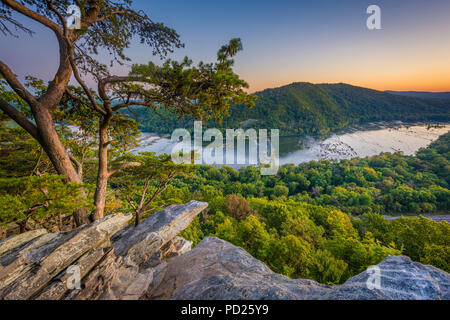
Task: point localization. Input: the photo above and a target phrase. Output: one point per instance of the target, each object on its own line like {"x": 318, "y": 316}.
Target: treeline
{"x": 309, "y": 241}
{"x": 298, "y": 221}
{"x": 308, "y": 109}
{"x": 386, "y": 183}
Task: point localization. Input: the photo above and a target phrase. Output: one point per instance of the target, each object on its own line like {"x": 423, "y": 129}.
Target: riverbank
{"x": 437, "y": 217}
{"x": 370, "y": 140}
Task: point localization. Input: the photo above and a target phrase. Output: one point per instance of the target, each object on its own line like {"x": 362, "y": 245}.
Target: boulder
{"x": 400, "y": 279}
{"x": 215, "y": 269}
{"x": 58, "y": 287}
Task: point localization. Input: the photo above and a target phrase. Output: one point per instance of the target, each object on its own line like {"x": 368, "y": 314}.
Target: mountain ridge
{"x": 422, "y": 94}
{"x": 303, "y": 108}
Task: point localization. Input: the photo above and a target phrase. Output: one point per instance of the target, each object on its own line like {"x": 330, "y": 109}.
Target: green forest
{"x": 320, "y": 220}
{"x": 323, "y": 220}
{"x": 309, "y": 109}
{"x": 66, "y": 144}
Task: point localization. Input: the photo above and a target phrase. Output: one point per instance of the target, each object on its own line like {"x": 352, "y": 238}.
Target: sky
{"x": 318, "y": 41}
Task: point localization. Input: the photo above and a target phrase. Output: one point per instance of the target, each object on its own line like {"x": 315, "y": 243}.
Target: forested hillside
{"x": 301, "y": 221}
{"x": 422, "y": 94}
{"x": 304, "y": 108}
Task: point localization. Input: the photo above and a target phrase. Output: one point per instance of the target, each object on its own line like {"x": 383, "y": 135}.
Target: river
{"x": 356, "y": 142}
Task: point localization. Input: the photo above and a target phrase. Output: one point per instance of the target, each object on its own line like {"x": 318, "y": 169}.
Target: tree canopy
{"x": 203, "y": 91}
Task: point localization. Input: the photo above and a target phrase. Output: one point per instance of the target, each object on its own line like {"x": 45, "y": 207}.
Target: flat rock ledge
{"x": 115, "y": 261}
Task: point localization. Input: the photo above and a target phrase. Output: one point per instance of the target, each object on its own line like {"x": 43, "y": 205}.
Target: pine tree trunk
{"x": 42, "y": 108}
{"x": 53, "y": 147}
{"x": 102, "y": 174}
{"x": 58, "y": 155}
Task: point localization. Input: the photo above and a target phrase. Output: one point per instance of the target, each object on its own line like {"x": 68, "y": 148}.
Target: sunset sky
{"x": 287, "y": 41}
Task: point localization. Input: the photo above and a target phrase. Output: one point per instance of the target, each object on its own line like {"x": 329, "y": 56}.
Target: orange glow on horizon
{"x": 411, "y": 84}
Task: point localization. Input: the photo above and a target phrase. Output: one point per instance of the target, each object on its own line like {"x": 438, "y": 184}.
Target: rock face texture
{"x": 215, "y": 269}
{"x": 109, "y": 259}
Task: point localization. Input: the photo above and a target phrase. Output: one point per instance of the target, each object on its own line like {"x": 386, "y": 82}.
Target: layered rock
{"x": 114, "y": 260}
{"x": 38, "y": 265}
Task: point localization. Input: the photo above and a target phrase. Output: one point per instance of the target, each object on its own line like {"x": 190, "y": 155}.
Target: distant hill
{"x": 315, "y": 109}
{"x": 422, "y": 94}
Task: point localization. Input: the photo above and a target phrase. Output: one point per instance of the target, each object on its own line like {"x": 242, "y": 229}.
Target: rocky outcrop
{"x": 216, "y": 269}
{"x": 400, "y": 279}
{"x": 113, "y": 260}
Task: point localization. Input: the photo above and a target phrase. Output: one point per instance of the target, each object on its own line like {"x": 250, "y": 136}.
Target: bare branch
{"x": 56, "y": 87}
{"x": 75, "y": 97}
{"x": 109, "y": 142}
{"x": 94, "y": 104}
{"x": 61, "y": 18}
{"x": 18, "y": 117}
{"x": 160, "y": 189}
{"x": 133, "y": 103}
{"x": 120, "y": 12}
{"x": 35, "y": 169}
{"x": 144, "y": 193}
{"x": 33, "y": 15}
{"x": 5, "y": 30}
{"x": 123, "y": 166}
{"x": 113, "y": 79}
{"x": 15, "y": 84}
{"x": 131, "y": 203}
{"x": 76, "y": 163}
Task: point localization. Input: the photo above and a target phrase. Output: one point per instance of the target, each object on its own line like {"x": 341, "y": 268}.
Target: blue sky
{"x": 286, "y": 41}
